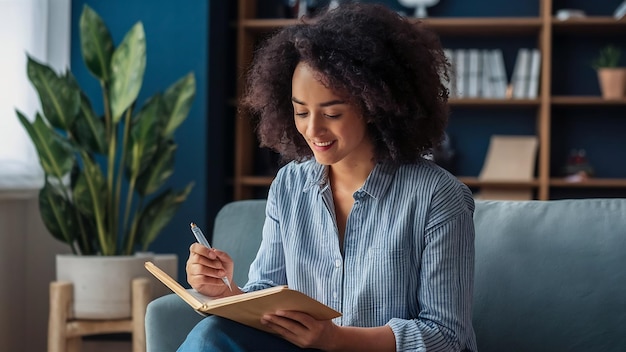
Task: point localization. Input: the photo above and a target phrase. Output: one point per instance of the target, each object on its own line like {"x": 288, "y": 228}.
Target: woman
{"x": 357, "y": 219}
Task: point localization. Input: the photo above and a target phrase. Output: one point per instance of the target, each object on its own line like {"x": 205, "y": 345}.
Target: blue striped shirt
{"x": 408, "y": 256}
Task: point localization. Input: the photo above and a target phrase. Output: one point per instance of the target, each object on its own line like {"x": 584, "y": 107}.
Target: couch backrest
{"x": 550, "y": 276}
{"x": 237, "y": 230}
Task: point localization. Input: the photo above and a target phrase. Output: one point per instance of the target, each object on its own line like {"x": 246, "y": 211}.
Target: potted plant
{"x": 105, "y": 172}
{"x": 612, "y": 78}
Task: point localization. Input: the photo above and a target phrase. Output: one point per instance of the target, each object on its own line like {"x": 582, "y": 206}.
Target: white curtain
{"x": 41, "y": 29}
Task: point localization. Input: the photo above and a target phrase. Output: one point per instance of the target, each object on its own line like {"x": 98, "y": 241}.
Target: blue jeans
{"x": 217, "y": 334}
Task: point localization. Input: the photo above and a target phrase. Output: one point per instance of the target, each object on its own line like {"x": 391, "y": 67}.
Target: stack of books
{"x": 481, "y": 73}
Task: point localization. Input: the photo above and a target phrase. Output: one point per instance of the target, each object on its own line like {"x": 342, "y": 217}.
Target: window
{"x": 41, "y": 29}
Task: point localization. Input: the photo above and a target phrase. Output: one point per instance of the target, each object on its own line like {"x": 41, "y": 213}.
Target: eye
{"x": 301, "y": 114}
{"x": 333, "y": 116}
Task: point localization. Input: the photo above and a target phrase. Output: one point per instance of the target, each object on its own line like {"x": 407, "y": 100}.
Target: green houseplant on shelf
{"x": 611, "y": 76}
{"x": 105, "y": 172}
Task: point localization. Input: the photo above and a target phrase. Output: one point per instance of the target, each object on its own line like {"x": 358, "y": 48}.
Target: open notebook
{"x": 247, "y": 308}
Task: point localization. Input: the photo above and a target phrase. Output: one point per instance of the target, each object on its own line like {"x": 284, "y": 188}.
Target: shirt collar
{"x": 375, "y": 185}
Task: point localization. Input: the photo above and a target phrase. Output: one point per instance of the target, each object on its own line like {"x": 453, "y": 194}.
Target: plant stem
{"x": 92, "y": 188}
{"x": 111, "y": 138}
{"x": 133, "y": 228}
{"x": 129, "y": 194}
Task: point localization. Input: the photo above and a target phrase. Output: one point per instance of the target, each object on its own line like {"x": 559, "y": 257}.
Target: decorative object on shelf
{"x": 420, "y": 6}
{"x": 620, "y": 11}
{"x": 333, "y": 4}
{"x": 444, "y": 154}
{"x": 611, "y": 77}
{"x": 307, "y": 8}
{"x": 104, "y": 173}
{"x": 566, "y": 14}
{"x": 577, "y": 168}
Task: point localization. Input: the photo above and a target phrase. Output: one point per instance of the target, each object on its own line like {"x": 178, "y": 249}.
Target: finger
{"x": 222, "y": 256}
{"x": 207, "y": 269}
{"x": 290, "y": 326}
{"x": 204, "y": 280}
{"x": 279, "y": 329}
{"x": 210, "y": 261}
{"x": 301, "y": 318}
{"x": 197, "y": 248}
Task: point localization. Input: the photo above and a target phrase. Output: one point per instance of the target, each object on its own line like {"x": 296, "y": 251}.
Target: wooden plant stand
{"x": 65, "y": 333}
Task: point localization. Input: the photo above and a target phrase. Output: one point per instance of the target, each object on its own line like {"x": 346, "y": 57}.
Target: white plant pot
{"x": 102, "y": 284}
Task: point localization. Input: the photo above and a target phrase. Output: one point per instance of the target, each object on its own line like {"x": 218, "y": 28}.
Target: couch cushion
{"x": 551, "y": 275}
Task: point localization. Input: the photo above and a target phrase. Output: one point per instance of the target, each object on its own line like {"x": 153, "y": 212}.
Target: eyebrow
{"x": 323, "y": 105}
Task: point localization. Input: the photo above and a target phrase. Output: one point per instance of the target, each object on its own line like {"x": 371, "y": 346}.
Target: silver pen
{"x": 203, "y": 241}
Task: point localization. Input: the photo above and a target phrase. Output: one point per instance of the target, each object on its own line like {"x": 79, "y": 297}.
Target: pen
{"x": 203, "y": 241}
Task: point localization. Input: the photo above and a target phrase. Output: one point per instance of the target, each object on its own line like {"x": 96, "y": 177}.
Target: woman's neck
{"x": 349, "y": 177}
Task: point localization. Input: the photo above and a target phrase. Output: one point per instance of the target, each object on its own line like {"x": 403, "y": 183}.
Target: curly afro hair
{"x": 387, "y": 66}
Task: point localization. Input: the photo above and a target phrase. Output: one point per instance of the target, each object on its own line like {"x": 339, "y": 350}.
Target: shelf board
{"x": 484, "y": 26}
{"x": 483, "y": 102}
{"x": 267, "y": 25}
{"x": 590, "y": 25}
{"x": 586, "y": 100}
{"x": 260, "y": 181}
{"x": 475, "y": 182}
{"x": 458, "y": 26}
{"x": 590, "y": 183}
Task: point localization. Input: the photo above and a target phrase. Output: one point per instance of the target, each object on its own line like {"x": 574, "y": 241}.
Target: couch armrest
{"x": 162, "y": 335}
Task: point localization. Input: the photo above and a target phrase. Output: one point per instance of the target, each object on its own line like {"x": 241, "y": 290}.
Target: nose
{"x": 315, "y": 125}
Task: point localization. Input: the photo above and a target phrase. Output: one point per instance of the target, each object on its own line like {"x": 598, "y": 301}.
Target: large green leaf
{"x": 142, "y": 144}
{"x": 55, "y": 153}
{"x": 58, "y": 214}
{"x": 59, "y": 96}
{"x": 90, "y": 196}
{"x": 158, "y": 214}
{"x": 178, "y": 99}
{"x": 127, "y": 65}
{"x": 89, "y": 129}
{"x": 95, "y": 44}
{"x": 159, "y": 170}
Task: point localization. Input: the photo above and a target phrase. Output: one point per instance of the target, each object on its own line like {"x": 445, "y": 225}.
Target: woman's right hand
{"x": 205, "y": 269}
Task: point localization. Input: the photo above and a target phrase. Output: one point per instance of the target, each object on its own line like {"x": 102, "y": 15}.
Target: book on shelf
{"x": 474, "y": 72}
{"x": 509, "y": 158}
{"x": 462, "y": 71}
{"x": 533, "y": 74}
{"x": 520, "y": 78}
{"x": 488, "y": 77}
{"x": 247, "y": 308}
{"x": 500, "y": 81}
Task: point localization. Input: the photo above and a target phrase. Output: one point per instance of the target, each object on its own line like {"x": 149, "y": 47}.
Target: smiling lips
{"x": 323, "y": 145}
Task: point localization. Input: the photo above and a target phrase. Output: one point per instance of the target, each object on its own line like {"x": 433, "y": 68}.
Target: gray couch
{"x": 550, "y": 276}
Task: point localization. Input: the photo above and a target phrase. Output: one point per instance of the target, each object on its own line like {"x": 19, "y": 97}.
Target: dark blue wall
{"x": 177, "y": 43}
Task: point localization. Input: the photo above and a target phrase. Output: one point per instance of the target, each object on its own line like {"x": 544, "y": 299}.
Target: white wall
{"x": 27, "y": 267}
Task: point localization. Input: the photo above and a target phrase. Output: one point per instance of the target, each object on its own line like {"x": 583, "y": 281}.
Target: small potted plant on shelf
{"x": 105, "y": 171}
{"x": 611, "y": 76}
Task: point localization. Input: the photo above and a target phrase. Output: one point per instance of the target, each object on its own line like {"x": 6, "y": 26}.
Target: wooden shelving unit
{"x": 543, "y": 27}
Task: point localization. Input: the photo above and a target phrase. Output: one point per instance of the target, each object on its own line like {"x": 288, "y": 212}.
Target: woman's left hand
{"x": 302, "y": 329}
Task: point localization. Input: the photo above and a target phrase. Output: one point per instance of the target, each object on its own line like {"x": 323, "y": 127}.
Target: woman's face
{"x": 334, "y": 129}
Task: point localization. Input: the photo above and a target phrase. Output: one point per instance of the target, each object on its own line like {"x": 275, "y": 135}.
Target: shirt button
{"x": 334, "y": 294}
{"x": 337, "y": 263}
